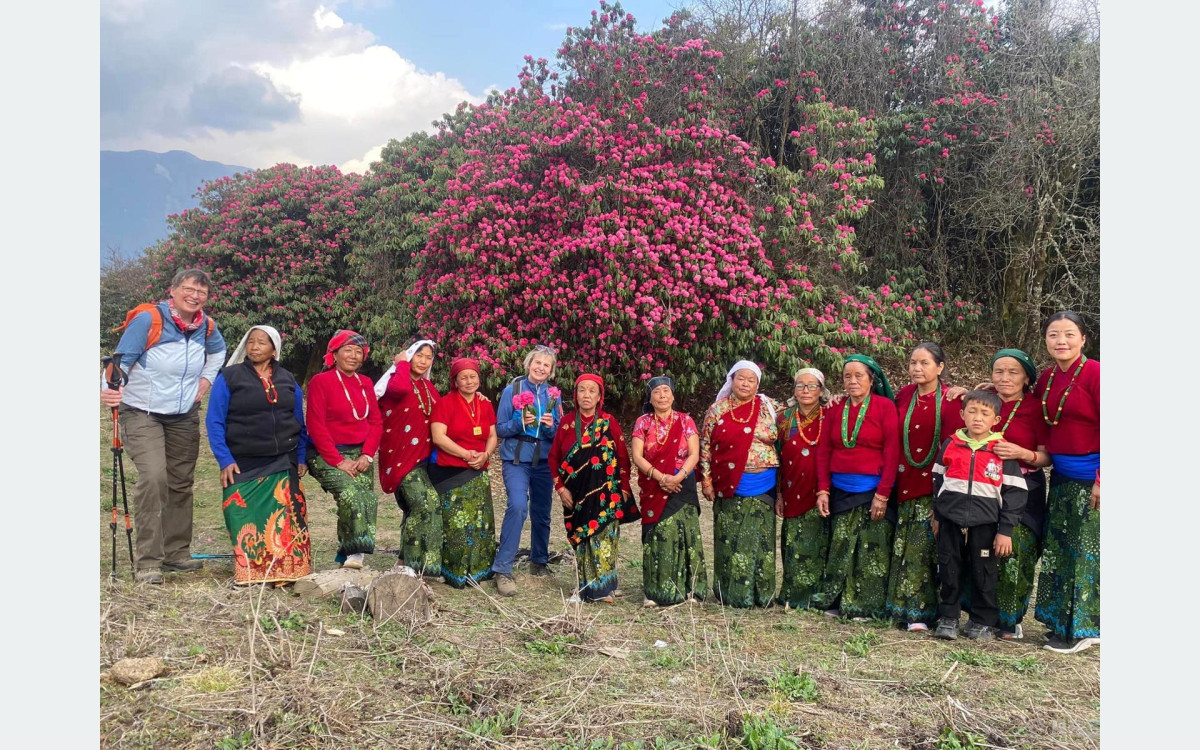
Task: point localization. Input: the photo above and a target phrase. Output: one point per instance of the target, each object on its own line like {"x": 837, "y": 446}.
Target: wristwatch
{"x": 370, "y": 459}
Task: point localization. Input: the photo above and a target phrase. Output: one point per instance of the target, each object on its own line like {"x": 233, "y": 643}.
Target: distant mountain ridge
{"x": 139, "y": 189}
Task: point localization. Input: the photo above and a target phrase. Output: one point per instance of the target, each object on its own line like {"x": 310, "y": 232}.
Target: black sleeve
{"x": 1013, "y": 495}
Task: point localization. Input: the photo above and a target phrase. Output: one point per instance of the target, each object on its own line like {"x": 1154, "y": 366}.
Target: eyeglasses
{"x": 807, "y": 387}
{"x": 191, "y": 291}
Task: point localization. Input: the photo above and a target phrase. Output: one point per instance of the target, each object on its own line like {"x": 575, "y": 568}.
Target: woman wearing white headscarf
{"x": 406, "y": 398}
{"x": 738, "y": 464}
{"x": 256, "y": 431}
{"x": 804, "y": 537}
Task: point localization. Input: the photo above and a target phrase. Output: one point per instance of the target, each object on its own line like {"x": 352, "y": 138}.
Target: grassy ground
{"x": 258, "y": 668}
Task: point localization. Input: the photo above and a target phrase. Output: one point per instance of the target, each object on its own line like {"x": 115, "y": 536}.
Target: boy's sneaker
{"x": 977, "y": 631}
{"x": 1062, "y": 646}
{"x": 1012, "y": 635}
{"x": 505, "y": 585}
{"x": 947, "y": 629}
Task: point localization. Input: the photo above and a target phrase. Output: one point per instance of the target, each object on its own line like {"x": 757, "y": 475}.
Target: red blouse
{"x": 911, "y": 482}
{"x": 407, "y": 405}
{"x": 330, "y": 416}
{"x": 1026, "y": 428}
{"x": 565, "y": 438}
{"x": 1078, "y": 430}
{"x": 798, "y": 464}
{"x": 876, "y": 452}
{"x": 469, "y": 424}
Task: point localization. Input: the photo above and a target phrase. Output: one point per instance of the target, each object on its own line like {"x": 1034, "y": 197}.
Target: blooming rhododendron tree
{"x": 274, "y": 242}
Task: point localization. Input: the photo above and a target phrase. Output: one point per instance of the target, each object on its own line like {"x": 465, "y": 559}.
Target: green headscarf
{"x": 1023, "y": 358}
{"x": 879, "y": 383}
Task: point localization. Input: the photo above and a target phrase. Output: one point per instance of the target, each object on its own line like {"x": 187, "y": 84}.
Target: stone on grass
{"x": 133, "y": 671}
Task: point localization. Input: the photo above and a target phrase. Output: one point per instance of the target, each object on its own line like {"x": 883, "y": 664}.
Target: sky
{"x": 256, "y": 83}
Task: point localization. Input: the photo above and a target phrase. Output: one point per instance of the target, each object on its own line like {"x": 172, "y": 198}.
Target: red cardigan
{"x": 565, "y": 438}
{"x": 911, "y": 482}
{"x": 876, "y": 452}
{"x": 460, "y": 427}
{"x": 1027, "y": 428}
{"x": 405, "y": 441}
{"x": 1078, "y": 430}
{"x": 798, "y": 471}
{"x": 329, "y": 419}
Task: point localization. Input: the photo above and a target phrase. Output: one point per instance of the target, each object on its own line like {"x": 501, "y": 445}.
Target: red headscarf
{"x": 460, "y": 364}
{"x": 344, "y": 337}
{"x": 595, "y": 379}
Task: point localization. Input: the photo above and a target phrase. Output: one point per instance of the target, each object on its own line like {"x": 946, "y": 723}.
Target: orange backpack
{"x": 156, "y": 322}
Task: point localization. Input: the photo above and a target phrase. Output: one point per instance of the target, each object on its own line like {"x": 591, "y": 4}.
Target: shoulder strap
{"x": 156, "y": 322}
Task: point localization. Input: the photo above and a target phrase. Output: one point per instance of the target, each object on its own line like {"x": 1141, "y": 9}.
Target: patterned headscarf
{"x": 651, "y": 385}
{"x": 595, "y": 379}
{"x": 344, "y": 337}
{"x": 879, "y": 383}
{"x": 826, "y": 396}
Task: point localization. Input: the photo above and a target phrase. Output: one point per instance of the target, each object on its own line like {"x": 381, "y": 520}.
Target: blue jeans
{"x": 529, "y": 494}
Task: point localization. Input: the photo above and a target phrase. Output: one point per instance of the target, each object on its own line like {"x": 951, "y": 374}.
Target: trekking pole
{"x": 114, "y": 376}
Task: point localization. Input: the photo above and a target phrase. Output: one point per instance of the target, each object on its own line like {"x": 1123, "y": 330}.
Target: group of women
{"x": 851, "y": 477}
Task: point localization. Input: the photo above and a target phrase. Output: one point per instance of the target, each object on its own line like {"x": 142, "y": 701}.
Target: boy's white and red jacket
{"x": 972, "y": 486}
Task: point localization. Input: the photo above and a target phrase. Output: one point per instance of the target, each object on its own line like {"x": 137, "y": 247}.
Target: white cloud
{"x": 327, "y": 92}
{"x": 556, "y": 26}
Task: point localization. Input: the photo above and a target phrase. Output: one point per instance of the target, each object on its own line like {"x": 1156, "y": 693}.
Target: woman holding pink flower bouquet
{"x": 527, "y": 417}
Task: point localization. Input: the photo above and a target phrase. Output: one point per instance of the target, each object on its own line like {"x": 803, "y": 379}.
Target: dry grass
{"x": 257, "y": 667}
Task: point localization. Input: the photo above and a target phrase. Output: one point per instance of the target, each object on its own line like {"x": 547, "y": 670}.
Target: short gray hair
{"x": 192, "y": 274}
{"x": 542, "y": 350}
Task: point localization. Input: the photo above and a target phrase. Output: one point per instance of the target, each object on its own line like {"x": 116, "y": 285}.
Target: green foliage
{"x": 243, "y": 740}
{"x": 762, "y": 733}
{"x": 860, "y": 643}
{"x": 292, "y": 621}
{"x": 795, "y": 686}
{"x": 497, "y": 725}
{"x": 952, "y": 739}
{"x": 554, "y": 646}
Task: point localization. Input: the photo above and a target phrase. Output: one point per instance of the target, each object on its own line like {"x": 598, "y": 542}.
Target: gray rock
{"x": 133, "y": 671}
{"x": 328, "y": 583}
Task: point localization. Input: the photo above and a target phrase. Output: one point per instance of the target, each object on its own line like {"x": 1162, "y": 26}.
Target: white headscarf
{"x": 239, "y": 354}
{"x": 727, "y": 389}
{"x": 381, "y": 385}
{"x": 820, "y": 376}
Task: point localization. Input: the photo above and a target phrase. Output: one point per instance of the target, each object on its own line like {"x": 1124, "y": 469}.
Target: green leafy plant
{"x": 795, "y": 686}
{"x": 860, "y": 643}
{"x": 951, "y": 739}
{"x": 762, "y": 733}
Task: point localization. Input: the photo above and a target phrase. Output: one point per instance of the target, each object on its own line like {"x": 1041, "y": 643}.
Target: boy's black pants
{"x": 968, "y": 553}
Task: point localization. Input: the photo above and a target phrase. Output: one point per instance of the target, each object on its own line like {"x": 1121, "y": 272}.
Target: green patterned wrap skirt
{"x": 804, "y": 546}
{"x": 912, "y": 593}
{"x": 356, "y": 502}
{"x": 673, "y": 558}
{"x": 468, "y": 532}
{"x": 421, "y": 532}
{"x": 856, "y": 571}
{"x": 1068, "y": 588}
{"x": 596, "y": 563}
{"x": 744, "y": 551}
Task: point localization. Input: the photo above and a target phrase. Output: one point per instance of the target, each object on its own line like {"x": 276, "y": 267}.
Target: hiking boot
{"x": 148, "y": 575}
{"x": 1073, "y": 646}
{"x": 977, "y": 631}
{"x": 947, "y": 629}
{"x": 354, "y": 561}
{"x": 505, "y": 585}
{"x": 539, "y": 570}
{"x": 183, "y": 566}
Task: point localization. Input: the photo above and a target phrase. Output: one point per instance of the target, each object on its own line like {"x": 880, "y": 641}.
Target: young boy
{"x": 977, "y": 498}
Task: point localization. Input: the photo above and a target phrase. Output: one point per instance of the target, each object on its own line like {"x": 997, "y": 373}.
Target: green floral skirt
{"x": 1016, "y": 579}
{"x": 468, "y": 532}
{"x": 356, "y": 503}
{"x": 856, "y": 571}
{"x": 1068, "y": 588}
{"x": 673, "y": 558}
{"x": 421, "y": 534}
{"x": 596, "y": 563}
{"x": 803, "y": 545}
{"x": 743, "y": 551}
{"x": 912, "y": 593}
